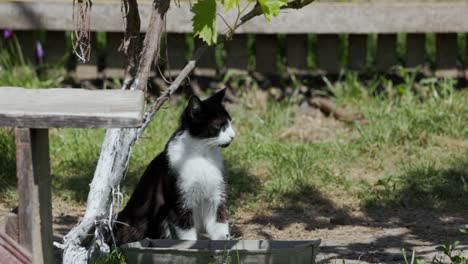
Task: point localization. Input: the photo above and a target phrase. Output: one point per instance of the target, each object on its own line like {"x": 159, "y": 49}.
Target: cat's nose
{"x": 231, "y": 132}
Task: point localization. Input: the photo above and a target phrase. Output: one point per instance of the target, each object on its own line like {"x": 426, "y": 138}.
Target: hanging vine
{"x": 81, "y": 37}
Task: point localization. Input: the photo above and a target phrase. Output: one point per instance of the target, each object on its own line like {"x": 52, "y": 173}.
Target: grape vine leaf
{"x": 228, "y": 4}
{"x": 204, "y": 21}
{"x": 271, "y": 7}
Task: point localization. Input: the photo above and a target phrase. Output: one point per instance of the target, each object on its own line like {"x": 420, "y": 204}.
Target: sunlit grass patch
{"x": 405, "y": 151}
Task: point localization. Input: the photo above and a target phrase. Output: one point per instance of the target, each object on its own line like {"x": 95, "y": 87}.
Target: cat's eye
{"x": 221, "y": 125}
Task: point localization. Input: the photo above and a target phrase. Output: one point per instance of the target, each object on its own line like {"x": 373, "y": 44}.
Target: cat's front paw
{"x": 222, "y": 236}
{"x": 219, "y": 231}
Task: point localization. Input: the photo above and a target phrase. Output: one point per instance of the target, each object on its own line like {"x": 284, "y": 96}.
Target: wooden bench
{"x": 33, "y": 112}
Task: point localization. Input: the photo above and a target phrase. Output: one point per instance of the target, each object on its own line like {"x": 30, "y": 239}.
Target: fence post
{"x": 466, "y": 56}
{"x": 446, "y": 54}
{"x": 266, "y": 54}
{"x": 328, "y": 53}
{"x": 176, "y": 52}
{"x": 88, "y": 70}
{"x": 206, "y": 66}
{"x": 415, "y": 50}
{"x": 237, "y": 53}
{"x": 386, "y": 52}
{"x": 357, "y": 52}
{"x": 114, "y": 59}
{"x": 296, "y": 54}
{"x": 34, "y": 211}
{"x": 27, "y": 41}
{"x": 54, "y": 48}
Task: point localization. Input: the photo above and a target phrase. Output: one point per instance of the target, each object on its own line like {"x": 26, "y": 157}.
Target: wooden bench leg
{"x": 34, "y": 212}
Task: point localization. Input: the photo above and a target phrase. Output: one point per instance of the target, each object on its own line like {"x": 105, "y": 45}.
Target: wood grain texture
{"x": 11, "y": 252}
{"x": 57, "y": 107}
{"x": 379, "y": 17}
{"x": 35, "y": 202}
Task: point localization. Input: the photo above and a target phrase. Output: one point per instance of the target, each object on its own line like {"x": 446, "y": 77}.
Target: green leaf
{"x": 440, "y": 249}
{"x": 204, "y": 21}
{"x": 228, "y": 4}
{"x": 271, "y": 7}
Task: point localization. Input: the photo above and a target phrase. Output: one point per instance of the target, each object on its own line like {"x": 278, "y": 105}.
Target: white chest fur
{"x": 200, "y": 168}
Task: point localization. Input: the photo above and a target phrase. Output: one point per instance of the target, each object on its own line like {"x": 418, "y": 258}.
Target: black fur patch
{"x": 156, "y": 204}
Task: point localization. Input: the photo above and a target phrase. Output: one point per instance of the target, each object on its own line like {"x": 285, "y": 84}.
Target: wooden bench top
{"x": 62, "y": 107}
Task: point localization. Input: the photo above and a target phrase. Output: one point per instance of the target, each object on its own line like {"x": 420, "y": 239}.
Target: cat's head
{"x": 209, "y": 120}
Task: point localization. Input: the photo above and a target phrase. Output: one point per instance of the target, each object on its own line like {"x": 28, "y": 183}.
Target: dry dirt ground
{"x": 374, "y": 236}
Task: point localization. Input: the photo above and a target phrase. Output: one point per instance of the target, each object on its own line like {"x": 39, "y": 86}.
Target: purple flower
{"x": 39, "y": 52}
{"x": 7, "y": 33}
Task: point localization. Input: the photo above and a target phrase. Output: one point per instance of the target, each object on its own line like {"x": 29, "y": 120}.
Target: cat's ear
{"x": 194, "y": 107}
{"x": 218, "y": 97}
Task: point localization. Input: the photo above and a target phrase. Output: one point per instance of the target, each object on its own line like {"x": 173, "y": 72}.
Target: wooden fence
{"x": 323, "y": 37}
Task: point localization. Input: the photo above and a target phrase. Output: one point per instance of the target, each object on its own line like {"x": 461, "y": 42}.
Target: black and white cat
{"x": 182, "y": 192}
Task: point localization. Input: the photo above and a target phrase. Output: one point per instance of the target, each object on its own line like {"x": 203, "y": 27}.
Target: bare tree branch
{"x": 151, "y": 44}
{"x": 255, "y": 11}
{"x": 131, "y": 45}
{"x": 172, "y": 88}
{"x": 117, "y": 145}
{"x": 80, "y": 242}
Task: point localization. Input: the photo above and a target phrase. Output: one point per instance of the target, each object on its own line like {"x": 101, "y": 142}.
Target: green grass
{"x": 397, "y": 156}
{"x": 16, "y": 71}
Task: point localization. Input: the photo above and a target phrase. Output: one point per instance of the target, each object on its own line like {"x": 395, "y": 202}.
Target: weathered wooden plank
{"x": 114, "y": 59}
{"x": 11, "y": 252}
{"x": 237, "y": 53}
{"x": 357, "y": 52}
{"x": 176, "y": 51}
{"x": 380, "y": 17}
{"x": 446, "y": 54}
{"x": 296, "y": 53}
{"x": 43, "y": 108}
{"x": 35, "y": 203}
{"x": 206, "y": 65}
{"x": 415, "y": 50}
{"x": 266, "y": 54}
{"x": 386, "y": 52}
{"x": 328, "y": 53}
{"x": 54, "y": 47}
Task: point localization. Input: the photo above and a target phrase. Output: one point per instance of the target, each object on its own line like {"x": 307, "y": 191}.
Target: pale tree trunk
{"x": 87, "y": 237}
{"x": 80, "y": 242}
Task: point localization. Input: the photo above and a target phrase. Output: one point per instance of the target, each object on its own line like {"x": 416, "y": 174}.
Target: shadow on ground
{"x": 427, "y": 210}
